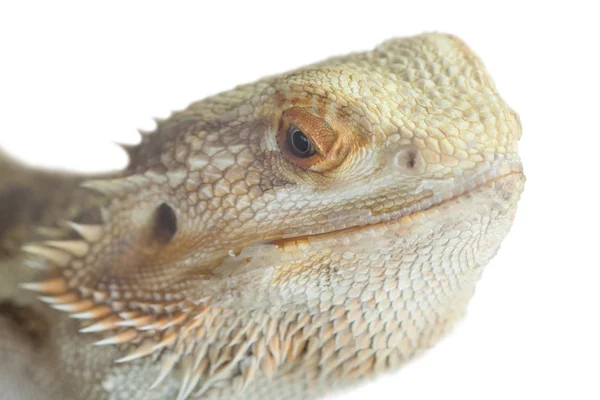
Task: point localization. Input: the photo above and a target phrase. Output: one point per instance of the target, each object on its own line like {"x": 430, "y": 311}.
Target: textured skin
{"x": 283, "y": 277}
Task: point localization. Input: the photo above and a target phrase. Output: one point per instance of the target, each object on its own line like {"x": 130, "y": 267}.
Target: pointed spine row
{"x": 87, "y": 304}
{"x": 188, "y": 340}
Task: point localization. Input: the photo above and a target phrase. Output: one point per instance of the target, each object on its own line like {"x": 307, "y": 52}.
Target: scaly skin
{"x": 227, "y": 265}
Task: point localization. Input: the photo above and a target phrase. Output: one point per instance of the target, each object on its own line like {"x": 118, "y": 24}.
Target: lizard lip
{"x": 462, "y": 185}
{"x": 457, "y": 188}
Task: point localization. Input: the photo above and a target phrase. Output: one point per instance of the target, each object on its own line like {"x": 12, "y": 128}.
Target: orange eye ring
{"x": 310, "y": 142}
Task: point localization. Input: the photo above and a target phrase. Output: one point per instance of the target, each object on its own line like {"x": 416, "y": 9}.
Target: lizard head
{"x": 240, "y": 202}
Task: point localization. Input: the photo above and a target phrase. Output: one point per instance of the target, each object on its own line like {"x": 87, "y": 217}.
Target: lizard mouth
{"x": 445, "y": 192}
{"x": 495, "y": 189}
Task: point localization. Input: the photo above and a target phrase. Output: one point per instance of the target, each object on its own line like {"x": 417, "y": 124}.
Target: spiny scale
{"x": 123, "y": 337}
{"x": 138, "y": 322}
{"x": 50, "y": 286}
{"x": 76, "y": 307}
{"x": 186, "y": 369}
{"x": 141, "y": 351}
{"x": 95, "y": 313}
{"x": 57, "y": 257}
{"x": 36, "y": 264}
{"x": 128, "y": 148}
{"x": 249, "y": 371}
{"x": 106, "y": 324}
{"x": 90, "y": 233}
{"x": 166, "y": 366}
{"x": 111, "y": 187}
{"x": 78, "y": 248}
{"x": 60, "y": 299}
{"x": 49, "y": 231}
{"x": 194, "y": 379}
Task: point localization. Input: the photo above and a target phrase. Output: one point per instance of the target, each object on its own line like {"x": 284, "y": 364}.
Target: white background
{"x": 75, "y": 77}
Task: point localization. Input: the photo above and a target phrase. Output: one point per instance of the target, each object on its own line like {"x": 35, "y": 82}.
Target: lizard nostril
{"x": 411, "y": 159}
{"x": 407, "y": 160}
{"x": 165, "y": 224}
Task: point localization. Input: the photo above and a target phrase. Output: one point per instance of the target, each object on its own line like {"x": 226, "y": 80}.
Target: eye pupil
{"x": 299, "y": 143}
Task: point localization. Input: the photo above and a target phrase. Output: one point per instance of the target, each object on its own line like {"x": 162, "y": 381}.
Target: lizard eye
{"x": 298, "y": 143}
{"x": 310, "y": 142}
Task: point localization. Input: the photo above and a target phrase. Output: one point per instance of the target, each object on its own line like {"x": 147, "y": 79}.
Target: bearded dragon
{"x": 282, "y": 239}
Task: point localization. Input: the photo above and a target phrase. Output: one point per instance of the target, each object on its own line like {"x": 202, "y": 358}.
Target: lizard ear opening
{"x": 165, "y": 224}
